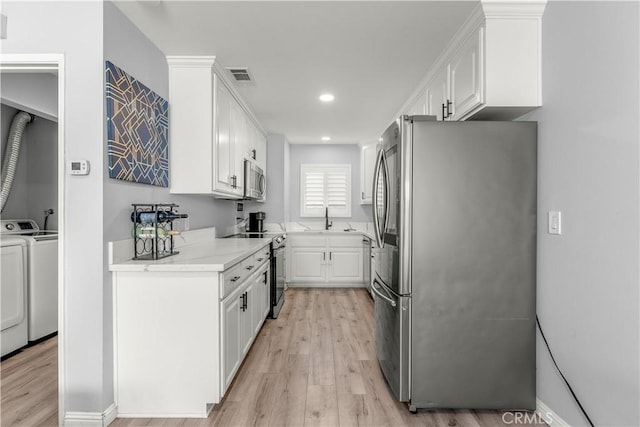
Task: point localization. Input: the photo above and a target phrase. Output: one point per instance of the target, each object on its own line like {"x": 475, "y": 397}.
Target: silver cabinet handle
{"x": 235, "y": 279}
{"x": 260, "y": 259}
{"x": 250, "y": 267}
{"x": 377, "y": 292}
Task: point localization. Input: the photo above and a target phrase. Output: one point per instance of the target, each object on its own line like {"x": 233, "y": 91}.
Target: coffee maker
{"x": 256, "y": 222}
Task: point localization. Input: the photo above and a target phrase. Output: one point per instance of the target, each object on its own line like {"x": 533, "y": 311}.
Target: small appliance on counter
{"x": 256, "y": 222}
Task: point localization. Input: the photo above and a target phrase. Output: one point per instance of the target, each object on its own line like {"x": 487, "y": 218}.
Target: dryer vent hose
{"x": 16, "y": 133}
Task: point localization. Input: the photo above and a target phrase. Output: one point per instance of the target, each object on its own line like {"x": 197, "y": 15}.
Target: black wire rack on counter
{"x": 153, "y": 230}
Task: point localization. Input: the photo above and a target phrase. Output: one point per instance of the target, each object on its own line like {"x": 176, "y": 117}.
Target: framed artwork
{"x": 137, "y": 130}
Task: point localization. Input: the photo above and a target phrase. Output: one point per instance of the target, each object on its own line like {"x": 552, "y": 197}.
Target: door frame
{"x": 51, "y": 63}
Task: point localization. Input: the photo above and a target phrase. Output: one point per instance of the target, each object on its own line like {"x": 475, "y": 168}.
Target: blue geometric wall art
{"x": 137, "y": 130}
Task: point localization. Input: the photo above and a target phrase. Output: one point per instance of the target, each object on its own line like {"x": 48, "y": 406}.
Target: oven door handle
{"x": 377, "y": 292}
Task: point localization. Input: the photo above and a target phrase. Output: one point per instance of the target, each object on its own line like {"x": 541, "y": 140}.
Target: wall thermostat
{"x": 80, "y": 167}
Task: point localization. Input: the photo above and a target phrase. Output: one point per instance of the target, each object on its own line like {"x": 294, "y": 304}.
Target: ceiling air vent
{"x": 241, "y": 75}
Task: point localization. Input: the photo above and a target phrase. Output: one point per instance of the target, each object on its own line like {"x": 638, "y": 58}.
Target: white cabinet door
{"x": 308, "y": 265}
{"x": 246, "y": 318}
{"x": 419, "y": 105}
{"x": 260, "y": 290}
{"x": 466, "y": 76}
{"x": 367, "y": 163}
{"x": 345, "y": 265}
{"x": 231, "y": 355}
{"x": 224, "y": 160}
{"x": 438, "y": 94}
{"x": 266, "y": 285}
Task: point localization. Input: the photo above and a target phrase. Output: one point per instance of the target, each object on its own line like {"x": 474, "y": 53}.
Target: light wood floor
{"x": 313, "y": 366}
{"x": 29, "y": 386}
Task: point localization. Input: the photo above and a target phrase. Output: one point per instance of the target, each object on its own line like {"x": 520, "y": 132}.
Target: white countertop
{"x": 212, "y": 255}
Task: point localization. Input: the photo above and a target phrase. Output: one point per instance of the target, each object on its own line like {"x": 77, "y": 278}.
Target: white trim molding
{"x": 91, "y": 419}
{"x": 549, "y": 416}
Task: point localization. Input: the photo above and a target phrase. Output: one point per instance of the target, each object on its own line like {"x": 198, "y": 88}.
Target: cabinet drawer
{"x": 234, "y": 276}
{"x": 262, "y": 256}
{"x": 351, "y": 241}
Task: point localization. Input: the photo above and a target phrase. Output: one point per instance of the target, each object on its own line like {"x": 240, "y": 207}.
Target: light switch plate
{"x": 555, "y": 222}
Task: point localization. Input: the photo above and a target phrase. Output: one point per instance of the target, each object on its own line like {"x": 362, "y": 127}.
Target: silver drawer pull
{"x": 250, "y": 267}
{"x": 235, "y": 279}
{"x": 260, "y": 259}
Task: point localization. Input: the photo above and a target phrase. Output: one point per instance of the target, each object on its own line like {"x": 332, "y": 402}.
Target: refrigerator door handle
{"x": 377, "y": 292}
{"x": 387, "y": 202}
{"x": 374, "y": 204}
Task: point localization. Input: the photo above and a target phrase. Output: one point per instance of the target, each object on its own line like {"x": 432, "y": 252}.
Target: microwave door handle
{"x": 377, "y": 292}
{"x": 374, "y": 195}
{"x": 262, "y": 185}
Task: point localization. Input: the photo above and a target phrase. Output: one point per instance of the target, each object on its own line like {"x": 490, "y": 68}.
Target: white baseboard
{"x": 549, "y": 416}
{"x": 324, "y": 285}
{"x": 91, "y": 419}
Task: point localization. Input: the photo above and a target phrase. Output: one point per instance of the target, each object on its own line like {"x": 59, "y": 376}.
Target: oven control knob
{"x": 10, "y": 226}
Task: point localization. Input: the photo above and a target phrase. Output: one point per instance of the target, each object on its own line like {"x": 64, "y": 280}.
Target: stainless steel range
{"x": 278, "y": 267}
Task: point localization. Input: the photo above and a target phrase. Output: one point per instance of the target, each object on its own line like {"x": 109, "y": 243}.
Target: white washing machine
{"x": 42, "y": 275}
{"x": 13, "y": 293}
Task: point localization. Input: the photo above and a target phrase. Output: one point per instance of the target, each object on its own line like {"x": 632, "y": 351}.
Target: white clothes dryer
{"x": 13, "y": 294}
{"x": 42, "y": 277}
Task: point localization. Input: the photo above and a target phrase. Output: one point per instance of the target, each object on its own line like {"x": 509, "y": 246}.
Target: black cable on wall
{"x": 562, "y": 375}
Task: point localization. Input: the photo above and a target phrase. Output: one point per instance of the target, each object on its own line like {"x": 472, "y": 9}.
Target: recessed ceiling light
{"x": 326, "y": 138}
{"x": 327, "y": 97}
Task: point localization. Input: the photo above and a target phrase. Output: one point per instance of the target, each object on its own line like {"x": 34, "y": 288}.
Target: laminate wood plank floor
{"x": 315, "y": 365}
{"x": 29, "y": 386}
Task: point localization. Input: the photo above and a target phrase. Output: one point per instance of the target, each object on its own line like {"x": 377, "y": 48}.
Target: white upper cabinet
{"x": 438, "y": 95}
{"x": 367, "y": 164}
{"x": 211, "y": 130}
{"x": 491, "y": 69}
{"x": 419, "y": 106}
{"x": 466, "y": 77}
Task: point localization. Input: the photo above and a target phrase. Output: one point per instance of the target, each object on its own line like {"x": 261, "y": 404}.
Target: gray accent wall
{"x": 327, "y": 153}
{"x": 274, "y": 206}
{"x": 588, "y": 277}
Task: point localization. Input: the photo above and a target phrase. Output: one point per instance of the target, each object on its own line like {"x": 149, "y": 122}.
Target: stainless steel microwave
{"x": 254, "y": 181}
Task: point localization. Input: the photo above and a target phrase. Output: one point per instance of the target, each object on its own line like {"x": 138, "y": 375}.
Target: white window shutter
{"x": 324, "y": 186}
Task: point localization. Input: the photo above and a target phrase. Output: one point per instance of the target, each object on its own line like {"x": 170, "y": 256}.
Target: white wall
{"x": 75, "y": 30}
{"x": 588, "y": 277}
{"x": 327, "y": 153}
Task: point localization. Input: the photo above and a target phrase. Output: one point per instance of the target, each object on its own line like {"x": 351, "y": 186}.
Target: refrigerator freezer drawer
{"x": 392, "y": 338}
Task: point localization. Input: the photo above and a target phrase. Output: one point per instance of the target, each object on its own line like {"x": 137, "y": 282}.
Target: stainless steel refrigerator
{"x": 454, "y": 210}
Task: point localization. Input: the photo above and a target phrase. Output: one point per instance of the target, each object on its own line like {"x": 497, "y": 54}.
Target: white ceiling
{"x": 370, "y": 54}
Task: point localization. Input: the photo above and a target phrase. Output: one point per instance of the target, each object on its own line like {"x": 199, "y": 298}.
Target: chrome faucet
{"x": 327, "y": 224}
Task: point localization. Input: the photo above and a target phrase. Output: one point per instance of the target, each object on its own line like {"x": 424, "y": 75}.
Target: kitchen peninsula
{"x": 183, "y": 324}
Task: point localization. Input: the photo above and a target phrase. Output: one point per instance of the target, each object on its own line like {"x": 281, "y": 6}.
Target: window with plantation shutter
{"x": 324, "y": 186}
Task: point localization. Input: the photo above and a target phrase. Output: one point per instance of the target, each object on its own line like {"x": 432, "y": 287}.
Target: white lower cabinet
{"x": 242, "y": 314}
{"x": 330, "y": 259}
{"x": 231, "y": 336}
{"x": 180, "y": 336}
